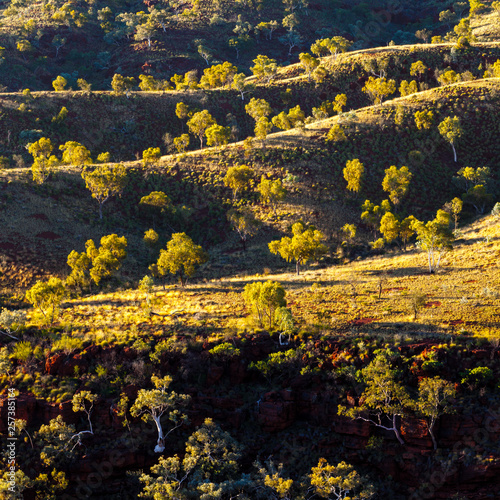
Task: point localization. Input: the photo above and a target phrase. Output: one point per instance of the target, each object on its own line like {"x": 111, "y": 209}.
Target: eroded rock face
{"x": 215, "y": 373}
{"x": 414, "y": 431}
{"x": 63, "y": 365}
{"x": 306, "y": 401}
{"x": 277, "y": 411}
{"x": 25, "y": 409}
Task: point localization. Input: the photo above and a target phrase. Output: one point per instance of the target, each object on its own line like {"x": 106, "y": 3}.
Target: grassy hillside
{"x": 94, "y": 42}
{"x": 326, "y": 301}
{"x": 97, "y": 44}
{"x": 317, "y": 194}
{"x": 126, "y": 126}
{"x": 288, "y": 378}
{"x": 344, "y": 317}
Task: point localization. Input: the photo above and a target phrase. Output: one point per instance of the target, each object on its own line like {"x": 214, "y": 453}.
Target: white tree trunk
{"x": 160, "y": 444}
{"x": 396, "y": 430}
{"x": 454, "y": 152}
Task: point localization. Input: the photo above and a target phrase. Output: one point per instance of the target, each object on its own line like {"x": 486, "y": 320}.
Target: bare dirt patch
{"x": 48, "y": 235}
{"x": 38, "y": 217}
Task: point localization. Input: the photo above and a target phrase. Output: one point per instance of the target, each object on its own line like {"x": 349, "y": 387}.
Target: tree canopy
{"x": 238, "y": 178}
{"x": 353, "y": 174}
{"x": 384, "y": 396}
{"x": 271, "y": 191}
{"x": 396, "y": 182}
{"x": 46, "y": 296}
{"x": 303, "y": 246}
{"x": 43, "y": 161}
{"x": 154, "y": 403}
{"x": 264, "y": 299}
{"x": 199, "y": 123}
{"x": 105, "y": 181}
{"x": 434, "y": 237}
{"x": 244, "y": 222}
{"x": 264, "y": 68}
{"x": 182, "y": 256}
{"x": 451, "y": 130}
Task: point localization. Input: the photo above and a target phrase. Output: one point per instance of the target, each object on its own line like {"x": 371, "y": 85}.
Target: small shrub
{"x": 67, "y": 344}
{"x": 496, "y": 210}
{"x": 22, "y": 351}
{"x": 477, "y": 377}
{"x": 278, "y": 365}
{"x": 140, "y": 346}
{"x": 160, "y": 349}
{"x": 224, "y": 351}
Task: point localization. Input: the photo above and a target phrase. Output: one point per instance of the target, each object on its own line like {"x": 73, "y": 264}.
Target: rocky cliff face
{"x": 468, "y": 459}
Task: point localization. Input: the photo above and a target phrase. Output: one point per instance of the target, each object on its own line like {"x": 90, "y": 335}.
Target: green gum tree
{"x": 451, "y": 130}
{"x": 353, "y": 174}
{"x": 199, "y": 123}
{"x": 182, "y": 112}
{"x": 75, "y": 153}
{"x": 181, "y": 256}
{"x": 271, "y": 192}
{"x": 384, "y": 399}
{"x": 332, "y": 46}
{"x": 424, "y": 119}
{"x": 304, "y": 245}
{"x": 80, "y": 264}
{"x": 379, "y": 88}
{"x": 208, "y": 469}
{"x": 275, "y": 485}
{"x": 396, "y": 182}
{"x": 336, "y": 134}
{"x": 294, "y": 118}
{"x": 94, "y": 264}
{"x": 309, "y": 63}
{"x": 238, "y": 178}
{"x": 434, "y": 237}
{"x": 339, "y": 103}
{"x": 418, "y": 69}
{"x": 108, "y": 258}
{"x": 435, "y": 397}
{"x": 454, "y": 207}
{"x": 372, "y": 214}
{"x": 244, "y": 222}
{"x": 59, "y": 84}
{"x": 181, "y": 143}
{"x": 283, "y": 319}
{"x": 240, "y": 84}
{"x": 264, "y": 299}
{"x": 339, "y": 482}
{"x": 389, "y": 227}
{"x": 43, "y": 161}
{"x": 154, "y": 403}
{"x": 258, "y": 108}
{"x": 122, "y": 84}
{"x": 105, "y": 181}
{"x": 151, "y": 158}
{"x": 264, "y": 68}
{"x": 218, "y": 135}
{"x": 47, "y": 297}
{"x": 84, "y": 401}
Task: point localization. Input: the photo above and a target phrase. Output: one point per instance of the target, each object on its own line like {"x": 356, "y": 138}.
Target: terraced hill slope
{"x": 317, "y": 193}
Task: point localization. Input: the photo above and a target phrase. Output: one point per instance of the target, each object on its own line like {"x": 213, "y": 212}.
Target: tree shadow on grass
{"x": 401, "y": 272}
{"x": 414, "y": 329}
{"x": 99, "y": 303}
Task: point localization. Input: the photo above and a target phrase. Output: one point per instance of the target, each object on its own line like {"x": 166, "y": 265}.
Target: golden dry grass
{"x": 462, "y": 297}
{"x": 486, "y": 25}
{"x": 72, "y": 222}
